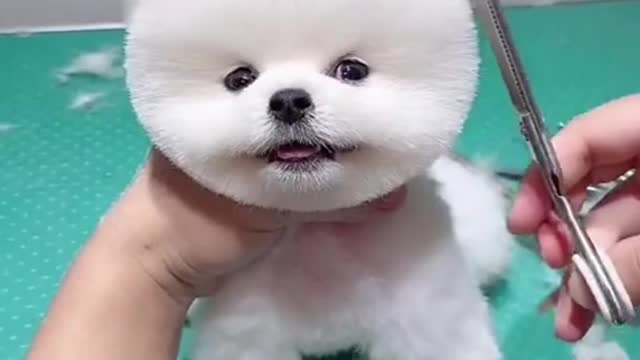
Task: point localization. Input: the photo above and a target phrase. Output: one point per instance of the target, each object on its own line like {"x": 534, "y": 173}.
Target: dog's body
{"x": 316, "y": 106}
{"x": 398, "y": 290}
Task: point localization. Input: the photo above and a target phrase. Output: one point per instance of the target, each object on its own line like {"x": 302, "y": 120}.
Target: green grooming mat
{"x": 61, "y": 169}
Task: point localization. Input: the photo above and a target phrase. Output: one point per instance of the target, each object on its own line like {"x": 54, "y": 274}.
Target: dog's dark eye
{"x": 240, "y": 78}
{"x": 351, "y": 70}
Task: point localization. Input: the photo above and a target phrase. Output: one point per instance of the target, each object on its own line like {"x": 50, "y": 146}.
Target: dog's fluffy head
{"x": 302, "y": 105}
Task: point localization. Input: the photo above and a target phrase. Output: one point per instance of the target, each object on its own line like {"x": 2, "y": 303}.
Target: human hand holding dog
{"x": 166, "y": 242}
{"x": 195, "y": 237}
{"x": 598, "y": 147}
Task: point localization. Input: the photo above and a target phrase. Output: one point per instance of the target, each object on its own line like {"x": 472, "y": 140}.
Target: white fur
{"x": 102, "y": 64}
{"x": 479, "y": 215}
{"x": 86, "y": 101}
{"x": 407, "y": 287}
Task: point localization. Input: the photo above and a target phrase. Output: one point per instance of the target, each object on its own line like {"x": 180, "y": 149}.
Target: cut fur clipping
{"x": 5, "y": 127}
{"x": 103, "y": 64}
{"x": 23, "y": 33}
{"x": 86, "y": 101}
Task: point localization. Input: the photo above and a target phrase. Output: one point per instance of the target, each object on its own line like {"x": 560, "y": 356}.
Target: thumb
{"x": 625, "y": 256}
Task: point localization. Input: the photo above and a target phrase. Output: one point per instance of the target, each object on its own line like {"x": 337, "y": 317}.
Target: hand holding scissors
{"x": 588, "y": 256}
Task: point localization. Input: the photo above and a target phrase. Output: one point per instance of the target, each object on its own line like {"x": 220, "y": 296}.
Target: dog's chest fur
{"x": 325, "y": 288}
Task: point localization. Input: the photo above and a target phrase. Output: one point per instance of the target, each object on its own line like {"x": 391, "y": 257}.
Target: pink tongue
{"x": 296, "y": 154}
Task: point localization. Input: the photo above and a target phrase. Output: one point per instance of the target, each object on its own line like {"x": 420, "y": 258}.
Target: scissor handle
{"x": 626, "y": 312}
{"x": 598, "y": 271}
{"x": 603, "y": 280}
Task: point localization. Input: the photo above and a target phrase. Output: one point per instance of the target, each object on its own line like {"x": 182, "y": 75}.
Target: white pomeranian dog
{"x": 308, "y": 106}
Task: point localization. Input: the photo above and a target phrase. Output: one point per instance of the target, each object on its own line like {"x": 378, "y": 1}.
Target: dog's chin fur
{"x": 407, "y": 113}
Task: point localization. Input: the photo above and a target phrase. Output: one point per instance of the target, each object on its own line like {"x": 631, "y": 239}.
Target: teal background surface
{"x": 60, "y": 169}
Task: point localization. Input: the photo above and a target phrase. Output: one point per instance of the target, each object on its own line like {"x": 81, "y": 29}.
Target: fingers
{"x": 616, "y": 219}
{"x": 626, "y": 257}
{"x": 618, "y": 215}
{"x": 531, "y": 206}
{"x": 572, "y": 321}
{"x": 606, "y": 136}
{"x": 576, "y": 284}
{"x": 555, "y": 248}
{"x": 599, "y": 146}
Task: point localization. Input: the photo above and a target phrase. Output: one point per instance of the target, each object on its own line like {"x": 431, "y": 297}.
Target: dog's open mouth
{"x": 301, "y": 156}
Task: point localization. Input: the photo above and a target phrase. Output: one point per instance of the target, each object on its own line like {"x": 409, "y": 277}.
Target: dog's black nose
{"x": 290, "y": 105}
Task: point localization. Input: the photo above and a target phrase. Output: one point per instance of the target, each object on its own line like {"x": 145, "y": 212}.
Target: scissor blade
{"x": 531, "y": 123}
{"x": 517, "y": 83}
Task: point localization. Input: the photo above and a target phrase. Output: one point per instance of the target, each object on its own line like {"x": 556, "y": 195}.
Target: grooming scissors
{"x": 591, "y": 261}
